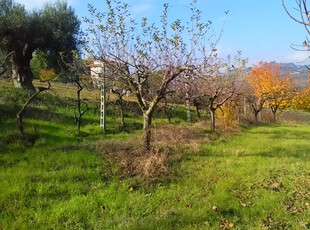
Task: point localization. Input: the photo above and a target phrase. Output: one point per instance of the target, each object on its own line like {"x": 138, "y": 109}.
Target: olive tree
{"x": 52, "y": 29}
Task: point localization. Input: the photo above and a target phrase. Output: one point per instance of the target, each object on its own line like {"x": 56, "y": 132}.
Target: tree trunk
{"x": 78, "y": 120}
{"x": 147, "y": 122}
{"x": 20, "y": 114}
{"x": 20, "y": 124}
{"x": 198, "y": 112}
{"x": 15, "y": 76}
{"x": 188, "y": 104}
{"x": 189, "y": 118}
{"x": 168, "y": 115}
{"x": 274, "y": 112}
{"x": 256, "y": 116}
{"x": 122, "y": 115}
{"x": 167, "y": 111}
{"x": 274, "y": 116}
{"x": 21, "y": 72}
{"x": 79, "y": 126}
{"x": 212, "y": 111}
{"x": 244, "y": 107}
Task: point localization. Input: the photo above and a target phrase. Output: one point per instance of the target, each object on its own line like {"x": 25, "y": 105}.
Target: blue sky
{"x": 259, "y": 28}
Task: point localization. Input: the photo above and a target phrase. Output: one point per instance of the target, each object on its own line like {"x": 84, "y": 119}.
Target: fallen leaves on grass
{"x": 298, "y": 201}
{"x": 270, "y": 223}
{"x": 189, "y": 204}
{"x": 225, "y": 224}
{"x": 271, "y": 184}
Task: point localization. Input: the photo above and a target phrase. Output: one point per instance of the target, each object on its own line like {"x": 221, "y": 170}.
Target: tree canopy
{"x": 53, "y": 29}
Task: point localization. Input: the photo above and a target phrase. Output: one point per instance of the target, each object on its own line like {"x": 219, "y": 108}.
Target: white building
{"x": 97, "y": 72}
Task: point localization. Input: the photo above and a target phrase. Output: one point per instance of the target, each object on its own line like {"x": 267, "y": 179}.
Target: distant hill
{"x": 298, "y": 72}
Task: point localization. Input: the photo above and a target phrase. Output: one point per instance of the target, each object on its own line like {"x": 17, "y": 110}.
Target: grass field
{"x": 256, "y": 179}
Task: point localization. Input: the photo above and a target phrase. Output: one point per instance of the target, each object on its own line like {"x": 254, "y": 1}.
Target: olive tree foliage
{"x": 52, "y": 29}
{"x": 146, "y": 49}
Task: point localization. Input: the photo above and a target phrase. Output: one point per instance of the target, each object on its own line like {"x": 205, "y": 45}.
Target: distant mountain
{"x": 298, "y": 72}
{"x": 292, "y": 66}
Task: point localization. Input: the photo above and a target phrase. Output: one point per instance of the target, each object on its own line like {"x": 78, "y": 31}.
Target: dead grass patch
{"x": 169, "y": 145}
{"x": 182, "y": 135}
{"x": 229, "y": 130}
{"x": 132, "y": 160}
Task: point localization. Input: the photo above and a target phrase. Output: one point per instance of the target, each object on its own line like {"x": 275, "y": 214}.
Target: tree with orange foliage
{"x": 270, "y": 85}
{"x": 281, "y": 95}
{"x": 301, "y": 99}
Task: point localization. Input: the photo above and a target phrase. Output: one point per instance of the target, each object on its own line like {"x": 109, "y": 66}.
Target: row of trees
{"x": 158, "y": 62}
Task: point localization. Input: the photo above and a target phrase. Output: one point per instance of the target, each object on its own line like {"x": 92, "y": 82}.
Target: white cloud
{"x": 144, "y": 7}
{"x": 37, "y": 4}
{"x": 298, "y": 56}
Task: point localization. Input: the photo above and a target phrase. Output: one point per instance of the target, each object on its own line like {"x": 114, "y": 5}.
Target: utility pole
{"x": 103, "y": 102}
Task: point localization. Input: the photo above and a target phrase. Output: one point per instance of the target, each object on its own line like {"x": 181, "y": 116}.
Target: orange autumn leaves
{"x": 302, "y": 99}
{"x": 271, "y": 85}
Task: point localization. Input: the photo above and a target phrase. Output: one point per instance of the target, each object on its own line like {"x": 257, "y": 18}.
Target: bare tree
{"x": 120, "y": 93}
{"x": 21, "y": 113}
{"x": 301, "y": 15}
{"x": 221, "y": 82}
{"x": 197, "y": 102}
{"x": 78, "y": 110}
{"x": 77, "y": 73}
{"x": 147, "y": 52}
{"x": 257, "y": 105}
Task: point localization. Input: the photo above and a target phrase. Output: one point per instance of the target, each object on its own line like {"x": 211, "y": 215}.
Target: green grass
{"x": 257, "y": 179}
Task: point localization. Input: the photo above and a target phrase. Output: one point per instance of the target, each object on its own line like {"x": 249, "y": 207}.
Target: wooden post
{"x": 244, "y": 107}
{"x": 188, "y": 104}
{"x": 103, "y": 103}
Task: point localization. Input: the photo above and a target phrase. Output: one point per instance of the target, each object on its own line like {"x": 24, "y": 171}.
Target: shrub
{"x": 227, "y": 116}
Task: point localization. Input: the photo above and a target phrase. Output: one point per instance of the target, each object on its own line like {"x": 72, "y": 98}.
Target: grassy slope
{"x": 258, "y": 178}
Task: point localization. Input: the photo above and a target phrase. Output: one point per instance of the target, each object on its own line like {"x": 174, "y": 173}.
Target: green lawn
{"x": 258, "y": 179}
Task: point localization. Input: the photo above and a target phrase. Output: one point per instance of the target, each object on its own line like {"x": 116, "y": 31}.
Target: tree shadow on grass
{"x": 275, "y": 132}
{"x": 10, "y": 111}
{"x": 300, "y": 151}
{"x": 285, "y": 134}
{"x": 37, "y": 135}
